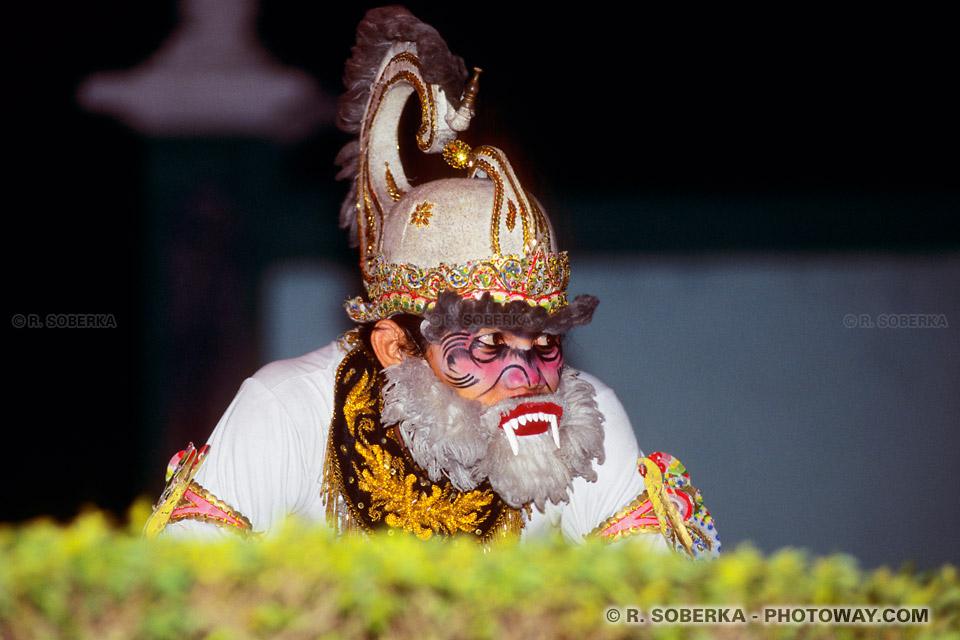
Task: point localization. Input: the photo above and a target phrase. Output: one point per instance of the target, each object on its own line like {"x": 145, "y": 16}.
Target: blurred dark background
{"x": 656, "y": 132}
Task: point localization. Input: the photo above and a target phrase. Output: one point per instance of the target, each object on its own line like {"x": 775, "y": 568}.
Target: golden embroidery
{"x": 421, "y": 214}
{"x": 403, "y": 506}
{"x": 369, "y": 232}
{"x": 340, "y": 513}
{"x": 395, "y": 192}
{"x": 508, "y": 526}
{"x": 360, "y": 401}
{"x": 511, "y": 215}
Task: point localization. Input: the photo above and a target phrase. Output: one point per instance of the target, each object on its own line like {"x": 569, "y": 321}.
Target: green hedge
{"x": 96, "y": 579}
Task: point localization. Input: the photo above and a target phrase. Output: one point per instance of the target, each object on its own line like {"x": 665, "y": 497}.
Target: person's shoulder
{"x": 615, "y": 416}
{"x": 319, "y": 364}
{"x": 594, "y": 381}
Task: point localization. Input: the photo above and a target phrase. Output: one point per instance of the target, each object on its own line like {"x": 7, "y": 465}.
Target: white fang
{"x": 508, "y": 430}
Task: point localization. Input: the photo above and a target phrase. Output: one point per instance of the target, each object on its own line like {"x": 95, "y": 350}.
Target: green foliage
{"x": 96, "y": 579}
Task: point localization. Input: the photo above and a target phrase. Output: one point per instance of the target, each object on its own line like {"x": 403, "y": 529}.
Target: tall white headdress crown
{"x": 473, "y": 235}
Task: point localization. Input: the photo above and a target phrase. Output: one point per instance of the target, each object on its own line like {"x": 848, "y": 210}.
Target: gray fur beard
{"x": 461, "y": 439}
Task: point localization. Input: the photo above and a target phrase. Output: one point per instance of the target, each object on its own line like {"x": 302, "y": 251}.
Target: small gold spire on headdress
{"x": 471, "y": 90}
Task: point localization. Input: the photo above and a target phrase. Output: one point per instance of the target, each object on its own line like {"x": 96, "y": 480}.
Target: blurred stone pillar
{"x": 216, "y": 113}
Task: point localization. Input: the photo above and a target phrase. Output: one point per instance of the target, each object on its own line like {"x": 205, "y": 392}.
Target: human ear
{"x": 386, "y": 339}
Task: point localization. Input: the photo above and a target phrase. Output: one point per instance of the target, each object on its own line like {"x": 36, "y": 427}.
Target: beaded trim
{"x": 540, "y": 280}
{"x": 199, "y": 504}
{"x": 491, "y": 162}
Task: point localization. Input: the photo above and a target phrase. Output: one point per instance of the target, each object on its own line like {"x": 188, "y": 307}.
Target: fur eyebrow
{"x": 450, "y": 310}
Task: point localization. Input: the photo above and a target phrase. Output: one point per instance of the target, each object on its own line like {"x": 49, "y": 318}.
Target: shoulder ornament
{"x": 669, "y": 506}
{"x": 184, "y": 499}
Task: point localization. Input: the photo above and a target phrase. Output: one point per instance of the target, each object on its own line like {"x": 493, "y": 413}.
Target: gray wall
{"x": 799, "y": 429}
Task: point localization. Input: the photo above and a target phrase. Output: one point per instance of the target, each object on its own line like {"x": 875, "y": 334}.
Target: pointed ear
{"x": 387, "y": 339}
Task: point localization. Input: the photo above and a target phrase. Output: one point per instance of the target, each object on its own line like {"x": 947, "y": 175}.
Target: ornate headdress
{"x": 481, "y": 237}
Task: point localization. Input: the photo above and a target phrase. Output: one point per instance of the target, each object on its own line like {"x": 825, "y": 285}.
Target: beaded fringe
{"x": 338, "y": 513}
{"x": 508, "y": 528}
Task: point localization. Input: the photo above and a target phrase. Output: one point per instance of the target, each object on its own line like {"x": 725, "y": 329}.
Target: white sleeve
{"x": 256, "y": 463}
{"x": 618, "y": 480}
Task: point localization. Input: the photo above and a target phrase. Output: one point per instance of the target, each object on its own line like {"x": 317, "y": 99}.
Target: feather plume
{"x": 376, "y": 33}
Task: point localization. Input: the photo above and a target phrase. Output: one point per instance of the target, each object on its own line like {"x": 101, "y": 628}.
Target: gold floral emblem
{"x": 421, "y": 215}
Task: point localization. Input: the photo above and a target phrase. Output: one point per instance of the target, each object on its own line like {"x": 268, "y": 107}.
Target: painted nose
{"x": 521, "y": 375}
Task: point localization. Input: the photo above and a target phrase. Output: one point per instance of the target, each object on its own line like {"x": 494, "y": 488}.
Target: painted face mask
{"x": 492, "y": 366}
{"x": 468, "y": 442}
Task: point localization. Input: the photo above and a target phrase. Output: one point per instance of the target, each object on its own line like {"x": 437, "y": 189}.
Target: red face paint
{"x": 491, "y": 365}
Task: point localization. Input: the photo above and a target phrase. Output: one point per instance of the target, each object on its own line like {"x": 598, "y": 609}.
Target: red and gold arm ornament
{"x": 184, "y": 499}
{"x": 670, "y": 506}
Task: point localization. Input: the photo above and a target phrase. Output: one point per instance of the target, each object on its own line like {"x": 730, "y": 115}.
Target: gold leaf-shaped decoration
{"x": 360, "y": 401}
{"x": 392, "y": 188}
{"x": 403, "y": 506}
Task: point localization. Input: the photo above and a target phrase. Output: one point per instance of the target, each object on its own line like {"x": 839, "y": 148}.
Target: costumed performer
{"x": 449, "y": 410}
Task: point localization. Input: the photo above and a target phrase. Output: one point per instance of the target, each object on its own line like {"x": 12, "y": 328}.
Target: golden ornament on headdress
{"x": 457, "y": 154}
{"x": 421, "y": 215}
